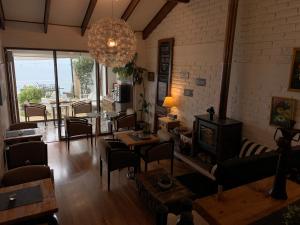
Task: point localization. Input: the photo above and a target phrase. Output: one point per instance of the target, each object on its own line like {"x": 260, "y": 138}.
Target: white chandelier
{"x": 112, "y": 42}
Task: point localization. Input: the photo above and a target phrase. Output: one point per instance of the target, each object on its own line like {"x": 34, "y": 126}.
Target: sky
{"x": 33, "y": 72}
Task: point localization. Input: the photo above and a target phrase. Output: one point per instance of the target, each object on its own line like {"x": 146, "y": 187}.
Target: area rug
{"x": 199, "y": 184}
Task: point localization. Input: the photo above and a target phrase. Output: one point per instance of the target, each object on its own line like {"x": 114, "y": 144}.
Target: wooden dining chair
{"x": 159, "y": 151}
{"x": 23, "y": 125}
{"x": 116, "y": 156}
{"x": 76, "y": 127}
{"x": 33, "y": 109}
{"x": 27, "y": 153}
{"x": 81, "y": 107}
{"x": 27, "y": 174}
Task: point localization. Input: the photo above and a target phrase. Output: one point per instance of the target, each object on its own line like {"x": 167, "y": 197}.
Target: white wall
{"x": 199, "y": 31}
{"x": 267, "y": 32}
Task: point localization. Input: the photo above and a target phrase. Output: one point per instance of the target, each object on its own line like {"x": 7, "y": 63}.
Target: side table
{"x": 155, "y": 196}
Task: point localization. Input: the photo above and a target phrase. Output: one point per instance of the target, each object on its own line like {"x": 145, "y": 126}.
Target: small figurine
{"x": 211, "y": 112}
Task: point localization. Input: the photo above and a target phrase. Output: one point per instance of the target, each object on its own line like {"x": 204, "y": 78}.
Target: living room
{"x": 234, "y": 61}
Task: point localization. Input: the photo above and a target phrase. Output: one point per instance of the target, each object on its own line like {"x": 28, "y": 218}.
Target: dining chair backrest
{"x": 25, "y": 174}
{"x": 126, "y": 122}
{"x": 27, "y": 153}
{"x": 33, "y": 109}
{"x": 23, "y": 125}
{"x": 81, "y": 107}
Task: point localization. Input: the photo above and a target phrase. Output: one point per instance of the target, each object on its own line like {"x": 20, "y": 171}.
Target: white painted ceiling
{"x": 68, "y": 12}
{"x": 24, "y": 10}
{"x": 144, "y": 12}
{"x": 72, "y": 12}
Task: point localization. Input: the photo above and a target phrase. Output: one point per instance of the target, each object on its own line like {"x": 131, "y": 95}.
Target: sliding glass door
{"x": 77, "y": 83}
{"x": 56, "y": 81}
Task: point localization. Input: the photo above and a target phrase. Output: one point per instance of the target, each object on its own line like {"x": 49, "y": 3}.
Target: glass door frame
{"x": 11, "y": 83}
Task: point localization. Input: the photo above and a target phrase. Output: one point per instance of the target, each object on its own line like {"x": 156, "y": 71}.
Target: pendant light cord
{"x": 112, "y": 8}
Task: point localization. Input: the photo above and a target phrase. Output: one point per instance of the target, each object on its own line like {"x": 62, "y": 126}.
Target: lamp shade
{"x": 168, "y": 102}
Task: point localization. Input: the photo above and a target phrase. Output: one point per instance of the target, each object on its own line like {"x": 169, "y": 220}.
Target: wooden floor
{"x": 82, "y": 195}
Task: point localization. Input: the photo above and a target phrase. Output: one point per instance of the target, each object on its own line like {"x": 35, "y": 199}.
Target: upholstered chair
{"x": 33, "y": 109}
{"x": 26, "y": 174}
{"x": 77, "y": 127}
{"x": 125, "y": 122}
{"x": 23, "y": 125}
{"x": 116, "y": 156}
{"x": 27, "y": 153}
{"x": 81, "y": 107}
{"x": 159, "y": 151}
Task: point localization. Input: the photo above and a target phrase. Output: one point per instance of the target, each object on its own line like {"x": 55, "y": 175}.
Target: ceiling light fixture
{"x": 111, "y": 42}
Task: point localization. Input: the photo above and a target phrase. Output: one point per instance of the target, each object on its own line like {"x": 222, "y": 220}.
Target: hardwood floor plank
{"x": 82, "y": 195}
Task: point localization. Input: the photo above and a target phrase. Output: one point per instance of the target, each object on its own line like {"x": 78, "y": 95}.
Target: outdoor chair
{"x": 33, "y": 109}
{"x": 81, "y": 107}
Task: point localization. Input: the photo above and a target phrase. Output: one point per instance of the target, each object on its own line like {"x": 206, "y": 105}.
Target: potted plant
{"x": 130, "y": 71}
{"x": 145, "y": 105}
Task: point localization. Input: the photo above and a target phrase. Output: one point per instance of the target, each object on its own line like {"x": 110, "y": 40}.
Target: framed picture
{"x": 282, "y": 111}
{"x": 294, "y": 84}
{"x": 150, "y": 76}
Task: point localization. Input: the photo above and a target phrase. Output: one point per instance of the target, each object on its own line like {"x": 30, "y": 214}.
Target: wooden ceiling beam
{"x": 2, "y": 18}
{"x": 183, "y": 1}
{"x": 159, "y": 17}
{"x": 129, "y": 10}
{"x": 228, "y": 53}
{"x": 88, "y": 15}
{"x": 46, "y": 15}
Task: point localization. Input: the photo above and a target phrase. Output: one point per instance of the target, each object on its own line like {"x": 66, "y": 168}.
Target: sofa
{"x": 254, "y": 162}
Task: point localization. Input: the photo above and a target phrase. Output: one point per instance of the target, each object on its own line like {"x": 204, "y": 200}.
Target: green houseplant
{"x": 130, "y": 70}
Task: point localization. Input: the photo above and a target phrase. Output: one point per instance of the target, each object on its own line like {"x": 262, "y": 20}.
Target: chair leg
{"x": 68, "y": 144}
{"x": 101, "y": 164}
{"x": 108, "y": 180}
{"x": 146, "y": 167}
{"x": 172, "y": 166}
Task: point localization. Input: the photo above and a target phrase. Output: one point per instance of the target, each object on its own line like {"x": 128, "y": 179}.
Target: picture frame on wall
{"x": 282, "y": 111}
{"x": 151, "y": 76}
{"x": 294, "y": 84}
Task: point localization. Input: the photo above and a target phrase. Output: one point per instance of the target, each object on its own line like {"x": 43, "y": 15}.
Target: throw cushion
{"x": 250, "y": 148}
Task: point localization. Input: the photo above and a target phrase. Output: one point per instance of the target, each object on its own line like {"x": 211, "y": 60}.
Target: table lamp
{"x": 169, "y": 103}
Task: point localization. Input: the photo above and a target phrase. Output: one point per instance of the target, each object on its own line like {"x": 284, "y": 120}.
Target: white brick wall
{"x": 267, "y": 31}
{"x": 199, "y": 32}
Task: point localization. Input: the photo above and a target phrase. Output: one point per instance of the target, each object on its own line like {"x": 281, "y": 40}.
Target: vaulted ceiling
{"x": 142, "y": 15}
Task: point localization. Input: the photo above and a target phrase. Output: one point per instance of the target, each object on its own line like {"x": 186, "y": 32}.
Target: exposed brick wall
{"x": 199, "y": 31}
{"x": 267, "y": 32}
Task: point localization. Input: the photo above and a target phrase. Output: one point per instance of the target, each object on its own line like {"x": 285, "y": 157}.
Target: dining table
{"x": 136, "y": 138}
{"x": 16, "y": 136}
{"x": 43, "y": 207}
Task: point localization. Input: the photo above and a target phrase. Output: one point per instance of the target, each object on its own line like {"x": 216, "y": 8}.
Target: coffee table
{"x": 154, "y": 196}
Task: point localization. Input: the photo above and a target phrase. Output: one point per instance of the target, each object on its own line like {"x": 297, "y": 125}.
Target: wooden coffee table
{"x": 154, "y": 196}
